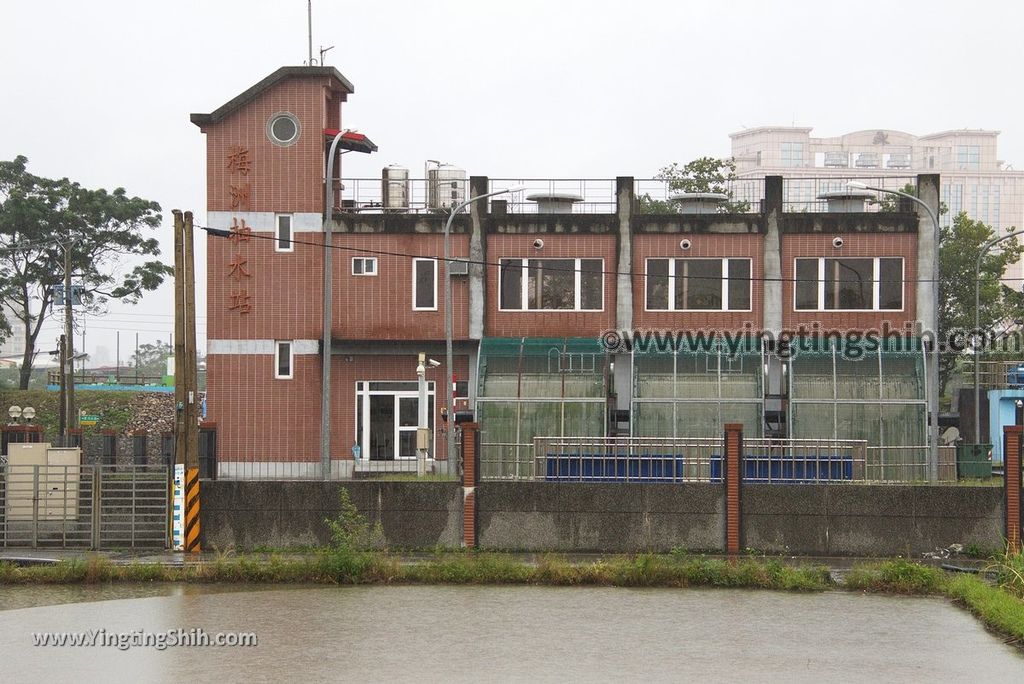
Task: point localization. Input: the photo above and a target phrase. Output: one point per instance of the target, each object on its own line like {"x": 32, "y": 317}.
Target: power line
{"x": 220, "y": 232}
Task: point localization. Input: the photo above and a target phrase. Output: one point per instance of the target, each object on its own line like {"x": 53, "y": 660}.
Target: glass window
{"x": 551, "y": 285}
{"x": 792, "y": 154}
{"x": 365, "y": 266}
{"x": 849, "y": 283}
{"x": 857, "y": 284}
{"x": 806, "y": 283}
{"x": 739, "y": 284}
{"x": 511, "y": 276}
{"x": 890, "y": 284}
{"x": 283, "y": 361}
{"x": 968, "y": 156}
{"x": 424, "y": 284}
{"x": 698, "y": 284}
{"x": 284, "y": 234}
{"x": 657, "y": 284}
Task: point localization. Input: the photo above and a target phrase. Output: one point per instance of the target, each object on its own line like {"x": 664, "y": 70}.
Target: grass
{"x": 1000, "y": 605}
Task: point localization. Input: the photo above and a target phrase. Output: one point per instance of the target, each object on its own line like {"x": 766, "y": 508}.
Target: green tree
{"x": 704, "y": 174}
{"x": 105, "y": 232}
{"x": 1000, "y": 307}
{"x": 151, "y": 359}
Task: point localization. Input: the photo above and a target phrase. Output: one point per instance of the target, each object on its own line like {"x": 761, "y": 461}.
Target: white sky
{"x": 101, "y": 91}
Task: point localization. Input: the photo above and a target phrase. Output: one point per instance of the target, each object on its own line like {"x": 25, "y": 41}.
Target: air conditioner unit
{"x": 458, "y": 267}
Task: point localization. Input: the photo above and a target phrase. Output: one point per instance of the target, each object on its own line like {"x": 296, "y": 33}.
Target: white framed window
{"x": 283, "y": 241}
{"x": 386, "y": 419}
{"x": 551, "y": 285}
{"x": 424, "y": 284}
{"x": 792, "y": 154}
{"x": 284, "y": 360}
{"x": 848, "y": 284}
{"x": 364, "y": 266}
{"x": 697, "y": 284}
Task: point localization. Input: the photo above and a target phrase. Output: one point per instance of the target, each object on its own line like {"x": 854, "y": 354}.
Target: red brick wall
{"x": 550, "y": 323}
{"x": 380, "y": 307}
{"x": 259, "y": 418}
{"x": 854, "y": 245}
{"x": 720, "y": 246}
{"x": 282, "y": 179}
{"x": 285, "y": 290}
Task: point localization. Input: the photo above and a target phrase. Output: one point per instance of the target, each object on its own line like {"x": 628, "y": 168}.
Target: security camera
{"x": 837, "y": 242}
{"x": 538, "y": 243}
{"x": 433, "y": 363}
{"x": 684, "y": 244}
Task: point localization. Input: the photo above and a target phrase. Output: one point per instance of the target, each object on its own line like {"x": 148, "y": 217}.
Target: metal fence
{"x": 642, "y": 459}
{"x": 802, "y": 194}
{"x": 85, "y": 506}
{"x": 743, "y": 195}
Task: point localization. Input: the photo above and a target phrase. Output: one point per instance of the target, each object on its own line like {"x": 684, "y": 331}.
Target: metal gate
{"x": 86, "y": 506}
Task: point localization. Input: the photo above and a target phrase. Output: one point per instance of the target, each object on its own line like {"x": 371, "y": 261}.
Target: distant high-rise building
{"x": 974, "y": 179}
{"x": 13, "y": 348}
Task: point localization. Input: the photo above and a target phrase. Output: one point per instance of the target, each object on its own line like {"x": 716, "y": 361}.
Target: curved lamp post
{"x": 977, "y": 306}
{"x": 450, "y": 391}
{"x": 933, "y": 375}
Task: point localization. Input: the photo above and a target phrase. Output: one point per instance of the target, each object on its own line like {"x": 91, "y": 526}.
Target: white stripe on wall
{"x": 264, "y": 221}
{"x": 259, "y": 346}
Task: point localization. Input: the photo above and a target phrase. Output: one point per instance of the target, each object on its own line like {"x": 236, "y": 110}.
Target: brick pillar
{"x": 470, "y": 478}
{"x": 1012, "y": 438}
{"x": 732, "y": 477}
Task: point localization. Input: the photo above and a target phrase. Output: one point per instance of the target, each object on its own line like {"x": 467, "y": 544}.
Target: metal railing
{"x": 625, "y": 459}
{"x": 800, "y": 193}
{"x": 996, "y": 374}
{"x": 745, "y": 195}
{"x": 646, "y": 459}
{"x": 596, "y": 195}
{"x": 367, "y": 196}
{"x": 84, "y": 506}
{"x": 903, "y": 464}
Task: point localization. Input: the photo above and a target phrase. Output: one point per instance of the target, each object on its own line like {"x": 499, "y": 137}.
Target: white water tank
{"x": 446, "y": 186}
{"x": 394, "y": 187}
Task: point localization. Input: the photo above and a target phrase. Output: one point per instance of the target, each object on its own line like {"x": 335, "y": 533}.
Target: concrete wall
{"x": 543, "y": 516}
{"x": 870, "y": 520}
{"x": 248, "y": 513}
{"x": 838, "y": 520}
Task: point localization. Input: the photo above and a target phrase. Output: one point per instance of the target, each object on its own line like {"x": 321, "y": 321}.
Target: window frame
{"x": 277, "y": 233}
{"x": 875, "y": 284}
{"x": 524, "y": 284}
{"x": 365, "y": 260}
{"x": 277, "y": 359}
{"x": 415, "y": 261}
{"x": 725, "y": 285}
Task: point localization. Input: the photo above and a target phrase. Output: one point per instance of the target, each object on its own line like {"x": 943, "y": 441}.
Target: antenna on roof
{"x": 309, "y": 24}
{"x": 323, "y": 51}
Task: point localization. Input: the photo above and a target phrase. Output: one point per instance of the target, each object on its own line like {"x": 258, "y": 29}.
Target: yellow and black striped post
{"x": 192, "y": 510}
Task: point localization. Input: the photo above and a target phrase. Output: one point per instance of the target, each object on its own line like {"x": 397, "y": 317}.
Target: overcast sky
{"x": 101, "y": 91}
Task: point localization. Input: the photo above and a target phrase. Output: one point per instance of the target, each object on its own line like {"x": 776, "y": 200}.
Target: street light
{"x": 933, "y": 375}
{"x": 977, "y": 306}
{"x": 450, "y": 391}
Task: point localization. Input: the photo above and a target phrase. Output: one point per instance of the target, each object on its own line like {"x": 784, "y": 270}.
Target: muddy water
{"x": 501, "y": 634}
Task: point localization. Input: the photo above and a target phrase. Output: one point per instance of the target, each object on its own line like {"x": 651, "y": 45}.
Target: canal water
{"x": 440, "y": 633}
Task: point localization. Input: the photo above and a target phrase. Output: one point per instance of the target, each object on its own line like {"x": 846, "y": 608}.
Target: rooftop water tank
{"x": 394, "y": 187}
{"x": 446, "y": 186}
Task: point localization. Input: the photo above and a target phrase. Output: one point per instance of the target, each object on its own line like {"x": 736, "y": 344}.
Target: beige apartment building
{"x": 973, "y": 177}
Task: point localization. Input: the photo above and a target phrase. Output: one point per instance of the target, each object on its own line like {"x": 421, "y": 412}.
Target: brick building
{"x": 533, "y": 302}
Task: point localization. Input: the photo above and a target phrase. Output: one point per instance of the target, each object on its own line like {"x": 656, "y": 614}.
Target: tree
{"x": 151, "y": 359}
{"x": 104, "y": 232}
{"x": 704, "y": 174}
{"x": 1000, "y": 307}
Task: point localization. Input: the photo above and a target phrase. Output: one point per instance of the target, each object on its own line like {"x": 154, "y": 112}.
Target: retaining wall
{"x": 540, "y": 516}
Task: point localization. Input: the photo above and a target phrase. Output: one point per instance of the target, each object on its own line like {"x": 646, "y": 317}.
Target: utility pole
{"x": 191, "y": 371}
{"x": 63, "y": 413}
{"x": 180, "y": 438}
{"x": 69, "y": 347}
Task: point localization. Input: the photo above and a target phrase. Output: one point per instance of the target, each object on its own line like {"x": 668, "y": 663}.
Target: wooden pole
{"x": 189, "y": 343}
{"x": 179, "y": 341}
{"x": 69, "y": 344}
{"x": 63, "y": 413}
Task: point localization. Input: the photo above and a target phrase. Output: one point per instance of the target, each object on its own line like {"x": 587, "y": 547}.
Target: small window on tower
{"x": 284, "y": 243}
{"x": 283, "y": 129}
{"x": 364, "y": 266}
{"x": 283, "y": 361}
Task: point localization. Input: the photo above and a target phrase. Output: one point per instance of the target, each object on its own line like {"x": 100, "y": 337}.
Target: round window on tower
{"x": 283, "y": 129}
